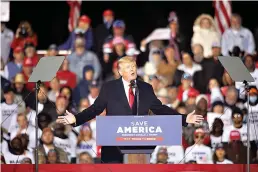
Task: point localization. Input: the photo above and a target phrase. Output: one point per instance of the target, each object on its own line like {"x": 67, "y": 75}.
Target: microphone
{"x": 134, "y": 85}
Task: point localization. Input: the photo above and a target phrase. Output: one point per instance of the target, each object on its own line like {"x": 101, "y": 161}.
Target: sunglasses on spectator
{"x": 237, "y": 115}
{"x": 199, "y": 137}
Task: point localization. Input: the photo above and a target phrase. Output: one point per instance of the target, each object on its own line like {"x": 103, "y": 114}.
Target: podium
{"x": 137, "y": 136}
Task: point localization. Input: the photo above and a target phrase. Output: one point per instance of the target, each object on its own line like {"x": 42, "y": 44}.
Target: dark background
{"x": 50, "y": 19}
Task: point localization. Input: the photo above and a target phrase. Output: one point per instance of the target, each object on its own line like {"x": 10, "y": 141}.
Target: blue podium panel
{"x": 139, "y": 130}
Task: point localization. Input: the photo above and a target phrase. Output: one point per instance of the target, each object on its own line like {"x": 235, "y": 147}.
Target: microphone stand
{"x": 247, "y": 89}
{"x": 36, "y": 127}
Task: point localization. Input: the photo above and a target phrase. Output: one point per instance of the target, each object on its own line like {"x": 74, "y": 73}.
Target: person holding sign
{"x": 119, "y": 98}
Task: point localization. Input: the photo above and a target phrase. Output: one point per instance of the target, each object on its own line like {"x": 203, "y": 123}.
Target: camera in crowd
{"x": 24, "y": 31}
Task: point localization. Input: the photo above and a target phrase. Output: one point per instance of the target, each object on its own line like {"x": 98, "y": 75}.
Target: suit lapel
{"x": 121, "y": 91}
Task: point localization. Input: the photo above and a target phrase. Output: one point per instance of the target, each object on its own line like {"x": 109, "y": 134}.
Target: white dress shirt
{"x": 126, "y": 87}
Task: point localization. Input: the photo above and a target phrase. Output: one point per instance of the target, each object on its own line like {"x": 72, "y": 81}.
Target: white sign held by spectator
{"x": 5, "y": 11}
{"x": 159, "y": 34}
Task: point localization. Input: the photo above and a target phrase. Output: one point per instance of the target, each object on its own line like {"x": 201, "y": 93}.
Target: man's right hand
{"x": 69, "y": 118}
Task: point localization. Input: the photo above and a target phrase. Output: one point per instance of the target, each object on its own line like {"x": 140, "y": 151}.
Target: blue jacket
{"x": 69, "y": 44}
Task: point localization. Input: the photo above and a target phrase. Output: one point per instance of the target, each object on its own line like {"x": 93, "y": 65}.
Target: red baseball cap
{"x": 18, "y": 49}
{"x": 108, "y": 13}
{"x": 85, "y": 19}
{"x": 28, "y": 62}
{"x": 235, "y": 135}
{"x": 193, "y": 93}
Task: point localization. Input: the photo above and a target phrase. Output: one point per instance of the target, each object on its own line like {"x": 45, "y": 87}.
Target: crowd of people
{"x": 181, "y": 79}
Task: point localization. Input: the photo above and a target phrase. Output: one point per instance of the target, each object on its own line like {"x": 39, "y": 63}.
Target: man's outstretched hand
{"x": 193, "y": 118}
{"x": 69, "y": 118}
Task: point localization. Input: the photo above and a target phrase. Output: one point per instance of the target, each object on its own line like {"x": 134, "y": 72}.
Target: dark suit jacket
{"x": 112, "y": 97}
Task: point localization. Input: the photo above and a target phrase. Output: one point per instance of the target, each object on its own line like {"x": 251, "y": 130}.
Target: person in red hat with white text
{"x": 15, "y": 66}
{"x": 83, "y": 30}
{"x": 27, "y": 69}
{"x": 103, "y": 30}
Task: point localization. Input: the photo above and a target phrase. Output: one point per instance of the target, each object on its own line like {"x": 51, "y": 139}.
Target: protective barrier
{"x": 128, "y": 168}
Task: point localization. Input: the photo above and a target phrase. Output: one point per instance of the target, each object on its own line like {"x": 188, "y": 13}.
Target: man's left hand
{"x": 193, "y": 118}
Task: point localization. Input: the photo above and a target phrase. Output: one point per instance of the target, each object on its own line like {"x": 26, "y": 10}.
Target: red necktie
{"x": 131, "y": 97}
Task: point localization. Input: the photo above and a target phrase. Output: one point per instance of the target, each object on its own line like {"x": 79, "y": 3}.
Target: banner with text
{"x": 139, "y": 130}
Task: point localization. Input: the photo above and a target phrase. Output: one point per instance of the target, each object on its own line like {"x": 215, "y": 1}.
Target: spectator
{"x": 2, "y": 72}
{"x": 81, "y": 57}
{"x": 62, "y": 141}
{"x": 119, "y": 31}
{"x": 237, "y": 118}
{"x": 61, "y": 105}
{"x": 55, "y": 88}
{"x": 172, "y": 94}
{"x": 115, "y": 74}
{"x": 185, "y": 87}
{"x": 52, "y": 157}
{"x": 94, "y": 88}
{"x": 219, "y": 156}
{"x": 20, "y": 89}
{"x": 176, "y": 40}
{"x": 85, "y": 158}
{"x": 162, "y": 95}
{"x": 8, "y": 108}
{"x": 199, "y": 152}
{"x": 6, "y": 40}
{"x": 67, "y": 92}
{"x": 44, "y": 104}
{"x": 216, "y": 133}
{"x": 30, "y": 115}
{"x": 23, "y": 35}
{"x": 215, "y": 92}
{"x": 197, "y": 50}
{"x": 249, "y": 62}
{"x": 235, "y": 149}
{"x": 188, "y": 66}
{"x": 22, "y": 126}
{"x": 3, "y": 141}
{"x": 84, "y": 104}
{"x": 82, "y": 89}
{"x": 52, "y": 50}
{"x": 231, "y": 98}
{"x": 16, "y": 152}
{"x": 15, "y": 66}
{"x": 26, "y": 161}
{"x": 237, "y": 35}
{"x": 191, "y": 100}
{"x": 47, "y": 144}
{"x": 117, "y": 53}
{"x": 226, "y": 80}
{"x": 25, "y": 141}
{"x": 175, "y": 154}
{"x": 167, "y": 68}
{"x": 162, "y": 156}
{"x": 44, "y": 120}
{"x": 205, "y": 33}
{"x": 30, "y": 52}
{"x": 236, "y": 52}
{"x": 65, "y": 76}
{"x": 211, "y": 68}
{"x": 85, "y": 141}
{"x": 83, "y": 31}
{"x": 103, "y": 30}
{"x": 27, "y": 69}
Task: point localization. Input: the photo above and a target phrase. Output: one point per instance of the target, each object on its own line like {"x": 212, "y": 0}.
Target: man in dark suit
{"x": 117, "y": 97}
{"x": 103, "y": 30}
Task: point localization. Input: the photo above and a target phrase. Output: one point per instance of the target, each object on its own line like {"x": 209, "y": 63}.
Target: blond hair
{"x": 125, "y": 59}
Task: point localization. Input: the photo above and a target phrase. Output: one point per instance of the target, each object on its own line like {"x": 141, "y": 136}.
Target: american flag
{"x": 75, "y": 9}
{"x": 223, "y": 11}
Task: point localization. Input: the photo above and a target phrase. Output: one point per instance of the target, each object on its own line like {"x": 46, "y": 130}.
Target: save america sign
{"x": 139, "y": 130}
